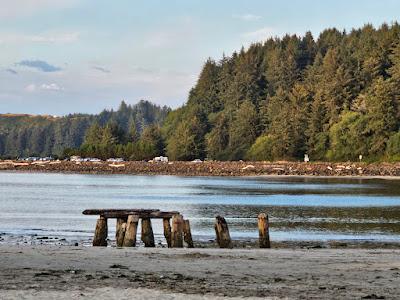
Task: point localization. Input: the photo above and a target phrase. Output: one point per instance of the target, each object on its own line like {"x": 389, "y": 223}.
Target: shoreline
{"x": 213, "y": 168}
{"x": 48, "y": 272}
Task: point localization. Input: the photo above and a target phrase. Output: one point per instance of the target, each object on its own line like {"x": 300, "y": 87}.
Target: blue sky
{"x": 66, "y": 56}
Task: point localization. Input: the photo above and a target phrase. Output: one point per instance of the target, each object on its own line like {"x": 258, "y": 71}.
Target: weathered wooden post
{"x": 167, "y": 231}
{"x": 263, "y": 230}
{"x": 176, "y": 233}
{"x": 147, "y": 233}
{"x": 222, "y": 233}
{"x": 131, "y": 231}
{"x": 101, "y": 232}
{"x": 120, "y": 231}
{"x": 187, "y": 234}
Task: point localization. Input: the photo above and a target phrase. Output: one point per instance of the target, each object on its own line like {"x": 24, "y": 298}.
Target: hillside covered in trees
{"x": 335, "y": 97}
{"x": 26, "y": 135}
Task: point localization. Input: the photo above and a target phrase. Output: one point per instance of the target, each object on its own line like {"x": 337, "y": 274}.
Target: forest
{"x": 334, "y": 98}
{"x": 26, "y": 135}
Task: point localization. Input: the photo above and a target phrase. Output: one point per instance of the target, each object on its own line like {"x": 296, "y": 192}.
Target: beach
{"x": 46, "y": 252}
{"x": 48, "y": 272}
{"x": 211, "y": 168}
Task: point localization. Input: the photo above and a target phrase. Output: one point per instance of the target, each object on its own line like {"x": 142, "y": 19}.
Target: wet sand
{"x": 49, "y": 272}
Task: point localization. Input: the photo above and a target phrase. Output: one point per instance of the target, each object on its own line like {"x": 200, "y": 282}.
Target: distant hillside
{"x": 26, "y": 135}
{"x": 334, "y": 97}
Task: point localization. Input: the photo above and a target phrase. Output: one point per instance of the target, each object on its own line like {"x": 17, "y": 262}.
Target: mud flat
{"x": 212, "y": 168}
{"x": 48, "y": 272}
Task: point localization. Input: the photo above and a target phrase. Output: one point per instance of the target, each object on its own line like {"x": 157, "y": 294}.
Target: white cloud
{"x": 30, "y": 88}
{"x": 51, "y": 87}
{"x": 21, "y": 8}
{"x": 102, "y": 69}
{"x": 260, "y": 34}
{"x": 62, "y": 38}
{"x": 45, "y": 38}
{"x": 247, "y": 17}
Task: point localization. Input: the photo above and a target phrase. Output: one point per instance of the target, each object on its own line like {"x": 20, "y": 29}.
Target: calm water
{"x": 299, "y": 208}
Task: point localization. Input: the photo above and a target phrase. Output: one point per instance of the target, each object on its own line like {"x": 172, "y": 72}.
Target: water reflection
{"x": 299, "y": 208}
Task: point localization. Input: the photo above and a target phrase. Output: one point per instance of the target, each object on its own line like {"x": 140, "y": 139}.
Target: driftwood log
{"x": 176, "y": 232}
{"x": 167, "y": 231}
{"x": 101, "y": 232}
{"x": 187, "y": 234}
{"x": 263, "y": 229}
{"x": 131, "y": 231}
{"x": 147, "y": 233}
{"x": 222, "y": 233}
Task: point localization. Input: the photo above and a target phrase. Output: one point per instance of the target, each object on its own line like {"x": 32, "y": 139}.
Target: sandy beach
{"x": 49, "y": 272}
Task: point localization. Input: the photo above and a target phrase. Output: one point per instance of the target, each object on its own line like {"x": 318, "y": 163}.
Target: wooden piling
{"x": 167, "y": 231}
{"x": 120, "y": 231}
{"x": 101, "y": 232}
{"x": 176, "y": 232}
{"x": 187, "y": 234}
{"x": 147, "y": 233}
{"x": 131, "y": 231}
{"x": 263, "y": 230}
{"x": 222, "y": 233}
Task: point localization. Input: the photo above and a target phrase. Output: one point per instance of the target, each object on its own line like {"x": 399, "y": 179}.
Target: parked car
{"x": 116, "y": 160}
{"x": 160, "y": 159}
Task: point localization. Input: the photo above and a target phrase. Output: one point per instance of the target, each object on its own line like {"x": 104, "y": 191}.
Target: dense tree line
{"x": 334, "y": 98}
{"x": 26, "y": 135}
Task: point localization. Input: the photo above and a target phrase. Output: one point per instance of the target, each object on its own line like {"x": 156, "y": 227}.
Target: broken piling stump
{"x": 222, "y": 233}
{"x": 147, "y": 233}
{"x": 263, "y": 230}
{"x": 131, "y": 231}
{"x": 167, "y": 231}
{"x": 177, "y": 231}
{"x": 101, "y": 232}
{"x": 187, "y": 234}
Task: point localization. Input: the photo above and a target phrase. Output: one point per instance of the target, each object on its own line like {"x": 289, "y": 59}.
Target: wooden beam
{"x": 167, "y": 231}
{"x": 122, "y": 211}
{"x": 222, "y": 233}
{"x": 131, "y": 231}
{"x": 263, "y": 230}
{"x": 177, "y": 231}
{"x": 120, "y": 231}
{"x": 154, "y": 214}
{"x": 101, "y": 232}
{"x": 147, "y": 233}
{"x": 187, "y": 234}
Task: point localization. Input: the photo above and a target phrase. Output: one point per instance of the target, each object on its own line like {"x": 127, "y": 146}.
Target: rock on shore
{"x": 211, "y": 168}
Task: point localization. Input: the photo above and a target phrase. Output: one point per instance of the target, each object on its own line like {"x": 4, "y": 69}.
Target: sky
{"x": 67, "y": 56}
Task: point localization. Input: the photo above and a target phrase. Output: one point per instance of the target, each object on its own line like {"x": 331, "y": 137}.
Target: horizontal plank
{"x": 151, "y": 215}
{"x": 125, "y": 210}
{"x": 124, "y": 213}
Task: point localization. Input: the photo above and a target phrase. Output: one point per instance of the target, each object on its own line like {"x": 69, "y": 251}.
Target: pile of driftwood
{"x": 176, "y": 228}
